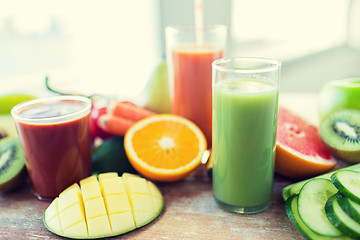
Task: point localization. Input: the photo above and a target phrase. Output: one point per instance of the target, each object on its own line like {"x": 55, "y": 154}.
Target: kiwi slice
{"x": 12, "y": 164}
{"x": 340, "y": 132}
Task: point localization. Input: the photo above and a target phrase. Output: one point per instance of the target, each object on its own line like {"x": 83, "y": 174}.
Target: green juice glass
{"x": 245, "y": 105}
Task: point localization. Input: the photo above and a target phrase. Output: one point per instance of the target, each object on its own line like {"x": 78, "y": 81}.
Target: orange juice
{"x": 192, "y": 97}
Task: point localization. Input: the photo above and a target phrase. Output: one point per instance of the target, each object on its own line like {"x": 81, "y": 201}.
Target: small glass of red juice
{"x": 56, "y": 140}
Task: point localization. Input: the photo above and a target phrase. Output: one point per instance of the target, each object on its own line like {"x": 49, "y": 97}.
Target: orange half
{"x": 165, "y": 147}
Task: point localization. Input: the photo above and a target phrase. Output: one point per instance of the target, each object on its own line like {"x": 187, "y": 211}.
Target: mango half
{"x": 104, "y": 207}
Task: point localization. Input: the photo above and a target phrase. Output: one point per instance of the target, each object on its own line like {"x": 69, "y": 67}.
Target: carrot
{"x": 130, "y": 111}
{"x": 114, "y": 124}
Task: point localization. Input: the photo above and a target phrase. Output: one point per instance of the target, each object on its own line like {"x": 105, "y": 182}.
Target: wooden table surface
{"x": 190, "y": 211}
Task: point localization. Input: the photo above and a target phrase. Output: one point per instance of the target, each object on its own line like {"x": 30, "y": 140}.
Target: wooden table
{"x": 190, "y": 211}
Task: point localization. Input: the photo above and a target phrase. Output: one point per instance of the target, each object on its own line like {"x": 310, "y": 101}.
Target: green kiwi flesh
{"x": 7, "y": 127}
{"x": 12, "y": 164}
{"x": 340, "y": 132}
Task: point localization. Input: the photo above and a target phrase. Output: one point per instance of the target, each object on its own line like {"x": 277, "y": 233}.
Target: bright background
{"x": 111, "y": 47}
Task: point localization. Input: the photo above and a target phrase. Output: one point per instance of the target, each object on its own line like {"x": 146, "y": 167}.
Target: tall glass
{"x": 55, "y": 137}
{"x": 245, "y": 106}
{"x": 190, "y": 53}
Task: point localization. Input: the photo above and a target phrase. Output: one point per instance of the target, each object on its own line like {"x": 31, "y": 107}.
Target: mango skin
{"x": 339, "y": 94}
{"x": 130, "y": 202}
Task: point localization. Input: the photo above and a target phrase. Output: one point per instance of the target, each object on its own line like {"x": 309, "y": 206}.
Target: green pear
{"x": 156, "y": 95}
{"x": 339, "y": 94}
{"x": 7, "y": 102}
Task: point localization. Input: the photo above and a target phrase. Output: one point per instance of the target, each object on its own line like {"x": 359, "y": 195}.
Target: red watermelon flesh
{"x": 300, "y": 151}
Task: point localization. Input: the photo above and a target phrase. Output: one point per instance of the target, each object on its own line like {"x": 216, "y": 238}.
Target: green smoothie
{"x": 244, "y": 130}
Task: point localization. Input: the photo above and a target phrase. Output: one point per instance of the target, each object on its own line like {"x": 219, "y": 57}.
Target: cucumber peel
{"x": 340, "y": 219}
{"x": 348, "y": 183}
{"x": 293, "y": 214}
{"x": 350, "y": 207}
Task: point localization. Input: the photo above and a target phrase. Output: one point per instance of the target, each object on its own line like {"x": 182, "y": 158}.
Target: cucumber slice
{"x": 291, "y": 207}
{"x": 350, "y": 207}
{"x": 294, "y": 189}
{"x": 311, "y": 206}
{"x": 340, "y": 219}
{"x": 348, "y": 183}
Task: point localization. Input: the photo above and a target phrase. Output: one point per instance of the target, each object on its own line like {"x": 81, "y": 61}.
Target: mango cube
{"x": 141, "y": 202}
{"x": 69, "y": 197}
{"x": 52, "y": 210}
{"x": 90, "y": 190}
{"x": 108, "y": 175}
{"x": 117, "y": 203}
{"x": 55, "y": 223}
{"x": 112, "y": 186}
{"x": 136, "y": 185}
{"x": 95, "y": 208}
{"x": 71, "y": 216}
{"x": 142, "y": 218}
{"x": 77, "y": 230}
{"x": 99, "y": 226}
{"x": 87, "y": 180}
{"x": 106, "y": 207}
{"x": 122, "y": 222}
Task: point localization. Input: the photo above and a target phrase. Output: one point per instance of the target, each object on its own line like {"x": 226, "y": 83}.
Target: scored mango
{"x": 103, "y": 207}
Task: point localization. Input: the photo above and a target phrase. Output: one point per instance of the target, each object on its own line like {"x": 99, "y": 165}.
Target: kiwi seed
{"x": 3, "y": 134}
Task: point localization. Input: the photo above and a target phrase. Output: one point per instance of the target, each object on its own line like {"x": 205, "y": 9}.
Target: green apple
{"x": 339, "y": 94}
{"x": 156, "y": 95}
{"x": 7, "y": 102}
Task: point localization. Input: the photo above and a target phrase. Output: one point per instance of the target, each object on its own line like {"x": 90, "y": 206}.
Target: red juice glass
{"x": 190, "y": 53}
{"x": 56, "y": 140}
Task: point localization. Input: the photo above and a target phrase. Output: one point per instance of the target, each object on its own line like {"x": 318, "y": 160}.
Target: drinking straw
{"x": 199, "y": 22}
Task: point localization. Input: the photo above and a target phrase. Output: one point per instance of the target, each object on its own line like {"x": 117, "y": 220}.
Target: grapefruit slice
{"x": 300, "y": 152}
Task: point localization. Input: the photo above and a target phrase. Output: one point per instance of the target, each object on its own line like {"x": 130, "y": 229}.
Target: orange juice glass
{"x": 190, "y": 53}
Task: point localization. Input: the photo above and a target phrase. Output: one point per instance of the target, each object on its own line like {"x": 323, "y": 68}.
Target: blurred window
{"x": 108, "y": 46}
{"x": 287, "y": 29}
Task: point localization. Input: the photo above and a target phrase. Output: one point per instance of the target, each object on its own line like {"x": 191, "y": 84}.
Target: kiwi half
{"x": 12, "y": 164}
{"x": 7, "y": 126}
{"x": 340, "y": 132}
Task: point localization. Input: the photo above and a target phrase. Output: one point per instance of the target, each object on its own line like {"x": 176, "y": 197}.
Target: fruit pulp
{"x": 192, "y": 97}
{"x": 104, "y": 207}
{"x": 244, "y": 129}
{"x": 57, "y": 154}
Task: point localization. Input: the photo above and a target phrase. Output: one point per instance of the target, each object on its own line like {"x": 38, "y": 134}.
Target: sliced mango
{"x": 104, "y": 207}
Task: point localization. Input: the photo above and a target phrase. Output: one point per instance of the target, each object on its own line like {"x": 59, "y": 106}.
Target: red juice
{"x": 56, "y": 142}
{"x": 192, "y": 91}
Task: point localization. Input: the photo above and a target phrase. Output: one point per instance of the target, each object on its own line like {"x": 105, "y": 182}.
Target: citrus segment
{"x": 165, "y": 147}
{"x": 300, "y": 152}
